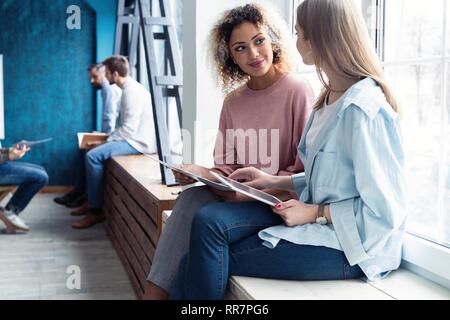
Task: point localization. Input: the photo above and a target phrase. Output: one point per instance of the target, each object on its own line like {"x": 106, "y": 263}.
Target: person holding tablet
{"x": 351, "y": 215}
{"x": 250, "y": 53}
{"x": 29, "y": 178}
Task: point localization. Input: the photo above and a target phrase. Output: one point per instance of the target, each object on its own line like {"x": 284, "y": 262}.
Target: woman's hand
{"x": 296, "y": 213}
{"x": 17, "y": 152}
{"x": 253, "y": 177}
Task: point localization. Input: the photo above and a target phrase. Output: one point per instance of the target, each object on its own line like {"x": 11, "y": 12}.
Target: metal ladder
{"x": 135, "y": 19}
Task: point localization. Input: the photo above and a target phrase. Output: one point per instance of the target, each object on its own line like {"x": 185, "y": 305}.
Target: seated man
{"x": 134, "y": 134}
{"x": 111, "y": 95}
{"x": 29, "y": 178}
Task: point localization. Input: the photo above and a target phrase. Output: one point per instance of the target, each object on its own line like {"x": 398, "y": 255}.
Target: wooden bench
{"x": 134, "y": 202}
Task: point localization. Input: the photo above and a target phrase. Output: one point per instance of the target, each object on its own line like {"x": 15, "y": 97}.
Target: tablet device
{"x": 248, "y": 191}
{"x": 212, "y": 184}
{"x": 32, "y": 143}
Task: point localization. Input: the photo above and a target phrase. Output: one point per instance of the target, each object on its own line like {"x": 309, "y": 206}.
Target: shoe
{"x": 77, "y": 202}
{"x": 13, "y": 222}
{"x": 68, "y": 197}
{"x": 81, "y": 211}
{"x": 89, "y": 221}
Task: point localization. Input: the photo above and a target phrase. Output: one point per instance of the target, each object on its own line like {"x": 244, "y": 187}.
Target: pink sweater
{"x": 262, "y": 128}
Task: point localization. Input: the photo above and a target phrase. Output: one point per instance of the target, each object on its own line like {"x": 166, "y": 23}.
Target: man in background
{"x": 134, "y": 134}
{"x": 111, "y": 95}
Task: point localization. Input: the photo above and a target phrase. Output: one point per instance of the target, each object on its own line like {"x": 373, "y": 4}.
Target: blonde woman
{"x": 250, "y": 55}
{"x": 350, "y": 218}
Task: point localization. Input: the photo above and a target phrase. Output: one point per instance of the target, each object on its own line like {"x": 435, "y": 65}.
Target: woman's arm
{"x": 260, "y": 180}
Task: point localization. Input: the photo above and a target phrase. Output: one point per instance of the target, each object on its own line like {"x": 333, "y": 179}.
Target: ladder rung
{"x": 169, "y": 81}
{"x": 128, "y": 19}
{"x": 157, "y": 21}
{"x": 159, "y": 36}
{"x": 171, "y": 92}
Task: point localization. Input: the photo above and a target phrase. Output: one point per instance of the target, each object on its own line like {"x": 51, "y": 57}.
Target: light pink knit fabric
{"x": 284, "y": 107}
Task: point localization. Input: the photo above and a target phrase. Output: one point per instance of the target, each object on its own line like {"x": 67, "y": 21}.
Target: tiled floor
{"x": 34, "y": 265}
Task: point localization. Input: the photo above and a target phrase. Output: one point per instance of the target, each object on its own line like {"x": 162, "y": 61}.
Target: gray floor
{"x": 33, "y": 266}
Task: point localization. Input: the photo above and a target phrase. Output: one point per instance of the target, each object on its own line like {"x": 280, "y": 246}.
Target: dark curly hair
{"x": 229, "y": 74}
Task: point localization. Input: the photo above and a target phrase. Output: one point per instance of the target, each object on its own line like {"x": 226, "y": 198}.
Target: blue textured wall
{"x": 47, "y": 92}
{"x": 106, "y": 11}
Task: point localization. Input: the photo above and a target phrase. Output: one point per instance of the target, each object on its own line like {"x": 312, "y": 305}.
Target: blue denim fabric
{"x": 95, "y": 160}
{"x": 224, "y": 242}
{"x": 80, "y": 176}
{"x": 29, "y": 178}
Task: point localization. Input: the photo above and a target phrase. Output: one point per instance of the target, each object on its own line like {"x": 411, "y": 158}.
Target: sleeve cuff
{"x": 299, "y": 181}
{"x": 344, "y": 223}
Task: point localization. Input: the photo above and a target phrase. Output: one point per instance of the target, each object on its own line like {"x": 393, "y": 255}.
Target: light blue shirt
{"x": 356, "y": 165}
{"x": 111, "y": 96}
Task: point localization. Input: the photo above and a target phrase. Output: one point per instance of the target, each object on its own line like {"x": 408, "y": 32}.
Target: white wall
{"x": 202, "y": 100}
{"x": 2, "y": 117}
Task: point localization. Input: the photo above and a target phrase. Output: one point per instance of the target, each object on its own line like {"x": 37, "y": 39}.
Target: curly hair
{"x": 229, "y": 74}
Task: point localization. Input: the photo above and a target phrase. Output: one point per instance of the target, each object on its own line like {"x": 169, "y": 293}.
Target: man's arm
{"x": 110, "y": 106}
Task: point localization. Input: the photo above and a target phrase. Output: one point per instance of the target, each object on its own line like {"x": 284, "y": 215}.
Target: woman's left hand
{"x": 296, "y": 213}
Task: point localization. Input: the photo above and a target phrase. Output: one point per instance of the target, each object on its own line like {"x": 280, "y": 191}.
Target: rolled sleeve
{"x": 365, "y": 223}
{"x": 343, "y": 217}
{"x": 299, "y": 182}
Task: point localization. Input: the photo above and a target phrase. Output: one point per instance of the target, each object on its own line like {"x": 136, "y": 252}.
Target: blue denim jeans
{"x": 80, "y": 176}
{"x": 95, "y": 170}
{"x": 224, "y": 241}
{"x": 29, "y": 178}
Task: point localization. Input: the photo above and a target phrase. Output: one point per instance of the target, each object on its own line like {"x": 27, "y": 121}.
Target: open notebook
{"x": 85, "y": 137}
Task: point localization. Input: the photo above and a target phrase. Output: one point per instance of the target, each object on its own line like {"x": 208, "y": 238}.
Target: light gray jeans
{"x": 174, "y": 241}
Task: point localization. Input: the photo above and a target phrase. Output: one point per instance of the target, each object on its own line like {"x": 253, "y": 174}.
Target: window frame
{"x": 420, "y": 255}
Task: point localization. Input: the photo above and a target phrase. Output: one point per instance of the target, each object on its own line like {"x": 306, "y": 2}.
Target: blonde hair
{"x": 228, "y": 73}
{"x": 339, "y": 38}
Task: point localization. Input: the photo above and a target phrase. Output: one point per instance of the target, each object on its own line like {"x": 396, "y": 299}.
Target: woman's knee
{"x": 193, "y": 193}
{"x": 207, "y": 217}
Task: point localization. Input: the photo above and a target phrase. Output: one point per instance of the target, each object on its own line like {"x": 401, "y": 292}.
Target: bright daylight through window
{"x": 416, "y": 59}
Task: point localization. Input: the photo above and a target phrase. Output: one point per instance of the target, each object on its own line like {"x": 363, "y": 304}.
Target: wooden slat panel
{"x": 134, "y": 201}
{"x": 120, "y": 252}
{"x": 140, "y": 238}
{"x": 117, "y": 227}
{"x": 141, "y": 196}
{"x": 148, "y": 225}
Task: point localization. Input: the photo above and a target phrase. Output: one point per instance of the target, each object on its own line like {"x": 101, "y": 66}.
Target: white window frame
{"x": 422, "y": 256}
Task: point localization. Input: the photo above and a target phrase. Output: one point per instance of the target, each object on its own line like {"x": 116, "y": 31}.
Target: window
{"x": 417, "y": 63}
{"x": 413, "y": 42}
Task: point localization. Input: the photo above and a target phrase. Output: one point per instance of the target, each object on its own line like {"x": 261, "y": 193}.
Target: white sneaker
{"x": 13, "y": 222}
